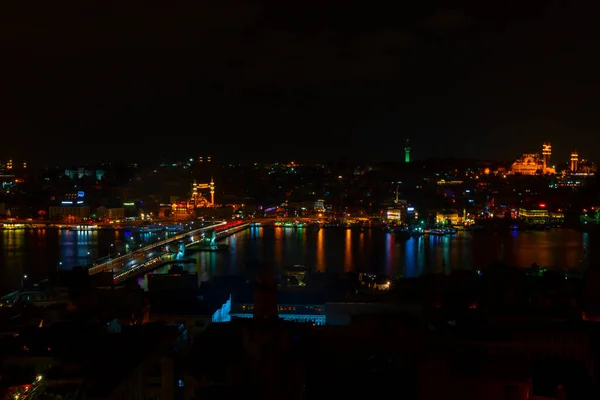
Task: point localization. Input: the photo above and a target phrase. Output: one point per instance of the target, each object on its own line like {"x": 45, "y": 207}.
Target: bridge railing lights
{"x": 111, "y": 263}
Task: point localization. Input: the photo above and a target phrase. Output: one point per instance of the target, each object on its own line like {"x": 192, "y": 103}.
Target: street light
{"x": 23, "y": 281}
{"x": 58, "y": 265}
{"x": 110, "y": 253}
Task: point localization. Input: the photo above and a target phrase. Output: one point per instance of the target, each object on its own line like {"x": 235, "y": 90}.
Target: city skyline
{"x": 218, "y": 199}
{"x": 557, "y": 157}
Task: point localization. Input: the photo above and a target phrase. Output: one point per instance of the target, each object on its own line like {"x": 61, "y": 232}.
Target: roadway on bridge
{"x": 155, "y": 260}
{"x": 154, "y": 255}
{"x": 152, "y": 250}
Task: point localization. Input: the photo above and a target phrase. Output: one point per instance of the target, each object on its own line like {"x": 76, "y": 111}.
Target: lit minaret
{"x": 9, "y": 165}
{"x": 195, "y": 193}
{"x": 574, "y": 161}
{"x": 546, "y": 153}
{"x": 212, "y": 192}
{"x": 407, "y": 151}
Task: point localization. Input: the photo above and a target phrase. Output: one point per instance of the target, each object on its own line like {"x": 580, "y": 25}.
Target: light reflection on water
{"x": 320, "y": 251}
{"x": 375, "y": 250}
{"x": 348, "y": 256}
{"x": 37, "y": 253}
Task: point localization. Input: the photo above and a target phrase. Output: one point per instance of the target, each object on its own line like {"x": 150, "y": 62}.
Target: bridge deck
{"x": 118, "y": 261}
{"x": 160, "y": 261}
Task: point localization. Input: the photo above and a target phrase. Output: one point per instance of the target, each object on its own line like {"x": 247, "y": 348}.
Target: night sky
{"x": 311, "y": 80}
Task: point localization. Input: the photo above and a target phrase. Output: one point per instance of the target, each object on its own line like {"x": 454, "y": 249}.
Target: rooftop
{"x": 186, "y": 303}
{"x": 284, "y": 296}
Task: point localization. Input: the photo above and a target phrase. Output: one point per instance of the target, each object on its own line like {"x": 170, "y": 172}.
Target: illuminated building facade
{"x": 313, "y": 314}
{"x": 451, "y": 218}
{"x": 541, "y": 216}
{"x": 533, "y": 164}
{"x": 528, "y": 164}
{"x": 407, "y": 151}
{"x": 198, "y": 199}
{"x": 182, "y": 210}
{"x": 320, "y": 206}
{"x": 72, "y": 208}
{"x": 396, "y": 215}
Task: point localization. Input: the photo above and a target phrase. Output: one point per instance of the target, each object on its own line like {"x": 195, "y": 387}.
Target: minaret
{"x": 212, "y": 191}
{"x": 574, "y": 165}
{"x": 546, "y": 153}
{"x": 195, "y": 193}
{"x": 407, "y": 151}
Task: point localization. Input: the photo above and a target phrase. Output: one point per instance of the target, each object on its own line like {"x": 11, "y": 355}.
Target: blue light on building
{"x": 223, "y": 313}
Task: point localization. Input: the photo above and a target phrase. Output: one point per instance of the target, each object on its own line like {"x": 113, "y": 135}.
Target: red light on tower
{"x": 542, "y": 205}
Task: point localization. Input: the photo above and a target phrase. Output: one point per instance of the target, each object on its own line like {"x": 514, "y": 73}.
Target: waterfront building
{"x": 72, "y": 208}
{"x": 396, "y": 215}
{"x": 534, "y": 216}
{"x": 541, "y": 216}
{"x": 448, "y": 217}
{"x": 290, "y": 306}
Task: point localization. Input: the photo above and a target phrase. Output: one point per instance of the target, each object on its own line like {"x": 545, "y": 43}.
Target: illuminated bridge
{"x": 153, "y": 260}
{"x": 140, "y": 255}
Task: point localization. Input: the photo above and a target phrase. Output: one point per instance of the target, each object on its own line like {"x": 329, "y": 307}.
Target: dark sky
{"x": 266, "y": 80}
